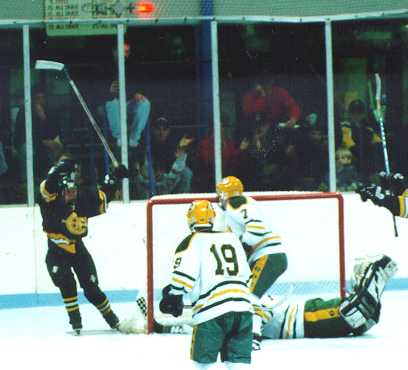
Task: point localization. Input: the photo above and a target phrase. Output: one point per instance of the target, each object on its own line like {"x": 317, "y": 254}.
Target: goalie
{"x": 338, "y": 317}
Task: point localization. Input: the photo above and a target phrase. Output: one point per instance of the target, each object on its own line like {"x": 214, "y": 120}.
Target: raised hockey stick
{"x": 56, "y": 66}
{"x": 378, "y": 111}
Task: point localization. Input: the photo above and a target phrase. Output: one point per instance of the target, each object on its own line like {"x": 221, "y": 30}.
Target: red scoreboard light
{"x": 144, "y": 8}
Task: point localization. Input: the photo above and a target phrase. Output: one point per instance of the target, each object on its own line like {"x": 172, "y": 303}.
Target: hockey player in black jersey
{"x": 65, "y": 207}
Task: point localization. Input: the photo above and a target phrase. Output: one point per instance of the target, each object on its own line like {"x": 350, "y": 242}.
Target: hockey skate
{"x": 256, "y": 342}
{"x": 112, "y": 320}
{"x": 75, "y": 321}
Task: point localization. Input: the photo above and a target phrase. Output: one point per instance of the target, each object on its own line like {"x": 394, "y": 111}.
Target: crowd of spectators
{"x": 273, "y": 145}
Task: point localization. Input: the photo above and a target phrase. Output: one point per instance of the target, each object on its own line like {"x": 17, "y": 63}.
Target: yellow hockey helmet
{"x": 201, "y": 213}
{"x": 229, "y": 187}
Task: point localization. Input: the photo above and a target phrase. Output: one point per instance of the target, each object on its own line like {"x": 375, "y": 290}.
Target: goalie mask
{"x": 200, "y": 214}
{"x": 229, "y": 187}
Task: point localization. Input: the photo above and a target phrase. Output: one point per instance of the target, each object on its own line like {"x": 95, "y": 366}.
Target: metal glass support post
{"x": 123, "y": 106}
{"x": 216, "y": 103}
{"x": 28, "y": 116}
{"x": 330, "y": 106}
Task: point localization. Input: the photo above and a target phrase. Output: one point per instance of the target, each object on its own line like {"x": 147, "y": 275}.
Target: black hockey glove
{"x": 120, "y": 172}
{"x": 171, "y": 303}
{"x": 380, "y": 197}
{"x": 58, "y": 172}
{"x": 394, "y": 182}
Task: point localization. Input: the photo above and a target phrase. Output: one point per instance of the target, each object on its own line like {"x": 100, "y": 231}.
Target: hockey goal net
{"x": 311, "y": 226}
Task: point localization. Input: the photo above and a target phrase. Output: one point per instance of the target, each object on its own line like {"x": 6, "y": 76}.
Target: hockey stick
{"x": 378, "y": 111}
{"x": 56, "y": 66}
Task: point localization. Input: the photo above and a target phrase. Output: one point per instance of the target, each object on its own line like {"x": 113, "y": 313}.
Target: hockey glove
{"x": 394, "y": 182}
{"x": 171, "y": 303}
{"x": 58, "y": 172}
{"x": 380, "y": 197}
{"x": 120, "y": 172}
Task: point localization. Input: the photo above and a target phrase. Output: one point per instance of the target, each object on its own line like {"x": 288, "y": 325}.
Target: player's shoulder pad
{"x": 184, "y": 244}
{"x": 238, "y": 201}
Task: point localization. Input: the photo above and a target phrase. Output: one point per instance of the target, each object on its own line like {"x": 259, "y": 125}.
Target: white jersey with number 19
{"x": 213, "y": 268}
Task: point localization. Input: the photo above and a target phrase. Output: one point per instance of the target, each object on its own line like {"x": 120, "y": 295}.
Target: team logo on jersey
{"x": 76, "y": 225}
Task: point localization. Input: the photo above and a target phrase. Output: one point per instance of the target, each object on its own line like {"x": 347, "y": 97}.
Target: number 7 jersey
{"x": 213, "y": 268}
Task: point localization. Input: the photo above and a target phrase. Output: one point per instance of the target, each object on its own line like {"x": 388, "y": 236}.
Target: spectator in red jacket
{"x": 274, "y": 103}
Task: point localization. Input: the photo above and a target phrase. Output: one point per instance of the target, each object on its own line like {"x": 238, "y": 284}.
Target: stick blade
{"x": 49, "y": 64}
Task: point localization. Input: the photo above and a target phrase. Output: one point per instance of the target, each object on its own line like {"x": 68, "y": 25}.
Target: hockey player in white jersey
{"x": 337, "y": 317}
{"x": 212, "y": 268}
{"x": 266, "y": 256}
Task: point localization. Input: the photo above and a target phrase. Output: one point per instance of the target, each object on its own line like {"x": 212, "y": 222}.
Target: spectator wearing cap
{"x": 169, "y": 161}
{"x": 358, "y": 134}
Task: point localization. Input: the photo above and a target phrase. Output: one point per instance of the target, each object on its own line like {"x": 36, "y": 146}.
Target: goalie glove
{"x": 380, "y": 197}
{"x": 171, "y": 303}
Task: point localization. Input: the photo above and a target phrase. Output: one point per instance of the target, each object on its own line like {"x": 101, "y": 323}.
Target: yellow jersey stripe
{"x": 48, "y": 197}
{"x": 183, "y": 283}
{"x": 276, "y": 237}
{"x": 402, "y": 205}
{"x": 226, "y": 291}
{"x": 249, "y": 226}
{"x": 102, "y": 206}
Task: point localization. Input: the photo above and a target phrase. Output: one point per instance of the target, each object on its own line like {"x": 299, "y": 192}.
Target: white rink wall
{"x": 116, "y": 241}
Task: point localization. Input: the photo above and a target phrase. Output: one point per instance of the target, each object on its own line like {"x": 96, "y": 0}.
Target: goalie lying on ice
{"x": 338, "y": 317}
{"x": 318, "y": 318}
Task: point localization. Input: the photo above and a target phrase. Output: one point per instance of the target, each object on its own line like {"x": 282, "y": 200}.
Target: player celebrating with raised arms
{"x": 65, "y": 208}
{"x": 212, "y": 267}
{"x": 266, "y": 255}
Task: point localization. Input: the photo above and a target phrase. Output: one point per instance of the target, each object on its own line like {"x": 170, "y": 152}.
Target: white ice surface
{"x": 36, "y": 338}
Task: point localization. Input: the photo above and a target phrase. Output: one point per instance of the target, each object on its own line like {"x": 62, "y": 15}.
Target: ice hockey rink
{"x": 37, "y": 338}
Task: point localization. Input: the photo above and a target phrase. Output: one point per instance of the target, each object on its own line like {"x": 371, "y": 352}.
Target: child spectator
{"x": 347, "y": 177}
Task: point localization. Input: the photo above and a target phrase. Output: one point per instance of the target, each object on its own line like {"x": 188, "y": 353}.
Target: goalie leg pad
{"x": 372, "y": 274}
{"x": 361, "y": 310}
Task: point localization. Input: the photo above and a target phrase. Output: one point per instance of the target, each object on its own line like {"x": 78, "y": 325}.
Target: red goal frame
{"x": 212, "y": 198}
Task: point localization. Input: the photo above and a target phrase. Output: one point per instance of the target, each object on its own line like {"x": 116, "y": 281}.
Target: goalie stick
{"x": 378, "y": 112}
{"x": 56, "y": 66}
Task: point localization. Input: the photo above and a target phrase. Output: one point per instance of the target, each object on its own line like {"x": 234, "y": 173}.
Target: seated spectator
{"x": 165, "y": 182}
{"x": 47, "y": 144}
{"x": 311, "y": 154}
{"x": 273, "y": 102}
{"x": 169, "y": 155}
{"x": 205, "y": 170}
{"x": 347, "y": 178}
{"x": 266, "y": 158}
{"x": 359, "y": 136}
{"x": 138, "y": 110}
